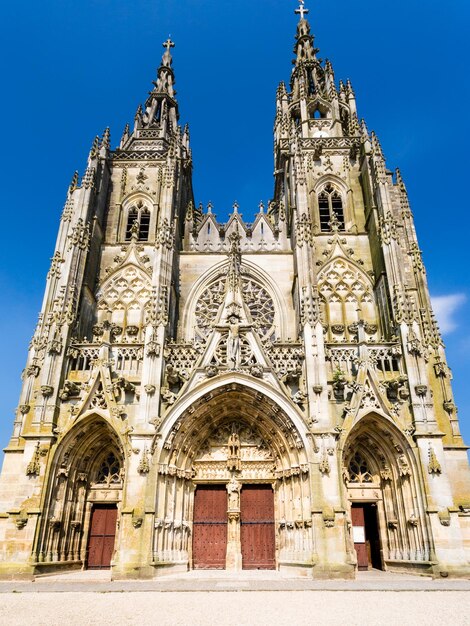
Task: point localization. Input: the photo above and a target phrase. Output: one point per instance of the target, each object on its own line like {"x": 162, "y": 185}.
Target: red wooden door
{"x": 359, "y": 536}
{"x": 210, "y": 527}
{"x": 257, "y": 527}
{"x": 102, "y": 536}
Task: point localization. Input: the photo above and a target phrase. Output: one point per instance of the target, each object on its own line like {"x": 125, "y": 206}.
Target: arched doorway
{"x": 234, "y": 520}
{"x": 387, "y": 515}
{"x": 234, "y": 489}
{"x": 85, "y": 492}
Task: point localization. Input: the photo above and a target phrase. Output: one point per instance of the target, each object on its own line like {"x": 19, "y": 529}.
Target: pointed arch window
{"x": 359, "y": 470}
{"x": 109, "y": 472}
{"x": 330, "y": 206}
{"x": 138, "y": 221}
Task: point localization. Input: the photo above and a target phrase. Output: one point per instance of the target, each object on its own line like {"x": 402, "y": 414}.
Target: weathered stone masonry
{"x": 174, "y": 353}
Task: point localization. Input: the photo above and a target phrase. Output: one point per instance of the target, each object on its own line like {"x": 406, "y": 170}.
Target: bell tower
{"x": 110, "y": 301}
{"x": 360, "y": 285}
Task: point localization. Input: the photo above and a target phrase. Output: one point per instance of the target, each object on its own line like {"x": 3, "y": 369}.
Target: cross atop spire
{"x": 302, "y": 11}
{"x": 168, "y": 44}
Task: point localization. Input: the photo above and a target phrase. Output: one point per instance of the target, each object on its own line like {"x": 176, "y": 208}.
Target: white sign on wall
{"x": 359, "y": 535}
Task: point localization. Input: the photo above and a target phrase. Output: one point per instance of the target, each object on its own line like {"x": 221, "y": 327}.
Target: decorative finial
{"x": 302, "y": 11}
{"x": 74, "y": 182}
{"x": 235, "y": 260}
{"x": 168, "y": 44}
{"x": 95, "y": 147}
{"x": 261, "y": 207}
{"x": 105, "y": 142}
{"x": 166, "y": 59}
{"x": 209, "y": 207}
{"x": 235, "y": 207}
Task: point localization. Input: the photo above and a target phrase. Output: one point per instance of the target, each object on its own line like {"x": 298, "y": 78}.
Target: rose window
{"x": 258, "y": 300}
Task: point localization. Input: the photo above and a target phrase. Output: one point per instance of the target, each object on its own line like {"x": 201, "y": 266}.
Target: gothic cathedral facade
{"x": 272, "y": 395}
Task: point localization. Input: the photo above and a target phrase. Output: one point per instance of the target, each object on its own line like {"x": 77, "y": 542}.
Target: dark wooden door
{"x": 366, "y": 536}
{"x": 210, "y": 527}
{"x": 359, "y": 536}
{"x": 102, "y": 536}
{"x": 257, "y": 527}
{"x": 372, "y": 536}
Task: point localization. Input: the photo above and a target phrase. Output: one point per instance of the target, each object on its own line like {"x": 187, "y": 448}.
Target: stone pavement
{"x": 240, "y": 599}
{"x": 210, "y": 580}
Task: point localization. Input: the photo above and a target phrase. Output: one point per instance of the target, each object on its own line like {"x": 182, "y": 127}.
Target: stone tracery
{"x": 346, "y": 296}
{"x": 256, "y": 297}
{"x": 123, "y": 300}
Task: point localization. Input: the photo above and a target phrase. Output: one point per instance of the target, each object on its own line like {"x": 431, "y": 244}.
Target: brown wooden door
{"x": 257, "y": 527}
{"x": 359, "y": 536}
{"x": 102, "y": 536}
{"x": 210, "y": 527}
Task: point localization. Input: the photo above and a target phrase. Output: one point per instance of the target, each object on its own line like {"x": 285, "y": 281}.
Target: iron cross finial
{"x": 168, "y": 44}
{"x": 302, "y": 11}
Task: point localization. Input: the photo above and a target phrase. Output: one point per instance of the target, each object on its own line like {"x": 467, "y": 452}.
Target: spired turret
{"x": 182, "y": 368}
{"x": 159, "y": 119}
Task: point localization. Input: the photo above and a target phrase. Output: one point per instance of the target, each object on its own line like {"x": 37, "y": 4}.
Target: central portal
{"x": 212, "y": 512}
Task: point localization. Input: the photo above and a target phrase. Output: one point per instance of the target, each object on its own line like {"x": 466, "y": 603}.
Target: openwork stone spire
{"x": 235, "y": 261}
{"x": 166, "y": 76}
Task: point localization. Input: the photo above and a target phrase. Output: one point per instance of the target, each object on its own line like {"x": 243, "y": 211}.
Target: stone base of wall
{"x": 16, "y": 571}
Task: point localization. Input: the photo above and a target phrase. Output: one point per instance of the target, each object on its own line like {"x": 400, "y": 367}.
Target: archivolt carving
{"x": 376, "y": 465}
{"x": 234, "y": 433}
{"x": 88, "y": 466}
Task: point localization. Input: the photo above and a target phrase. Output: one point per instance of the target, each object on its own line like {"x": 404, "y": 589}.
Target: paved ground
{"x": 223, "y": 599}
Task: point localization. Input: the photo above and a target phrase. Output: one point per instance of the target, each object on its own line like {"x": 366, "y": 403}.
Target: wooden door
{"x": 257, "y": 527}
{"x": 102, "y": 536}
{"x": 210, "y": 527}
{"x": 359, "y": 536}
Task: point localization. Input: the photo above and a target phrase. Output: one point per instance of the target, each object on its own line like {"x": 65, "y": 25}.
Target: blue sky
{"x": 69, "y": 69}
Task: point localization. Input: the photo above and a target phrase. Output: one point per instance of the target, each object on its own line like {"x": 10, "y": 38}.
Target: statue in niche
{"x": 233, "y": 461}
{"x": 233, "y": 489}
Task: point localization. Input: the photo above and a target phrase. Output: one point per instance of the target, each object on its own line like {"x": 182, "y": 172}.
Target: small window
{"x": 359, "y": 470}
{"x": 109, "y": 472}
{"x": 138, "y": 221}
{"x": 311, "y": 85}
{"x": 330, "y": 207}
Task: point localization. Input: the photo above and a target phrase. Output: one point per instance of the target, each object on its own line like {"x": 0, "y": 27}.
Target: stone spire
{"x": 308, "y": 75}
{"x": 160, "y": 112}
{"x": 166, "y": 77}
{"x": 161, "y": 107}
{"x": 304, "y": 42}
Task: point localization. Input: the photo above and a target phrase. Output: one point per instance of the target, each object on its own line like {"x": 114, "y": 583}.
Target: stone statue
{"x": 233, "y": 489}
{"x": 234, "y": 327}
{"x": 233, "y": 461}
